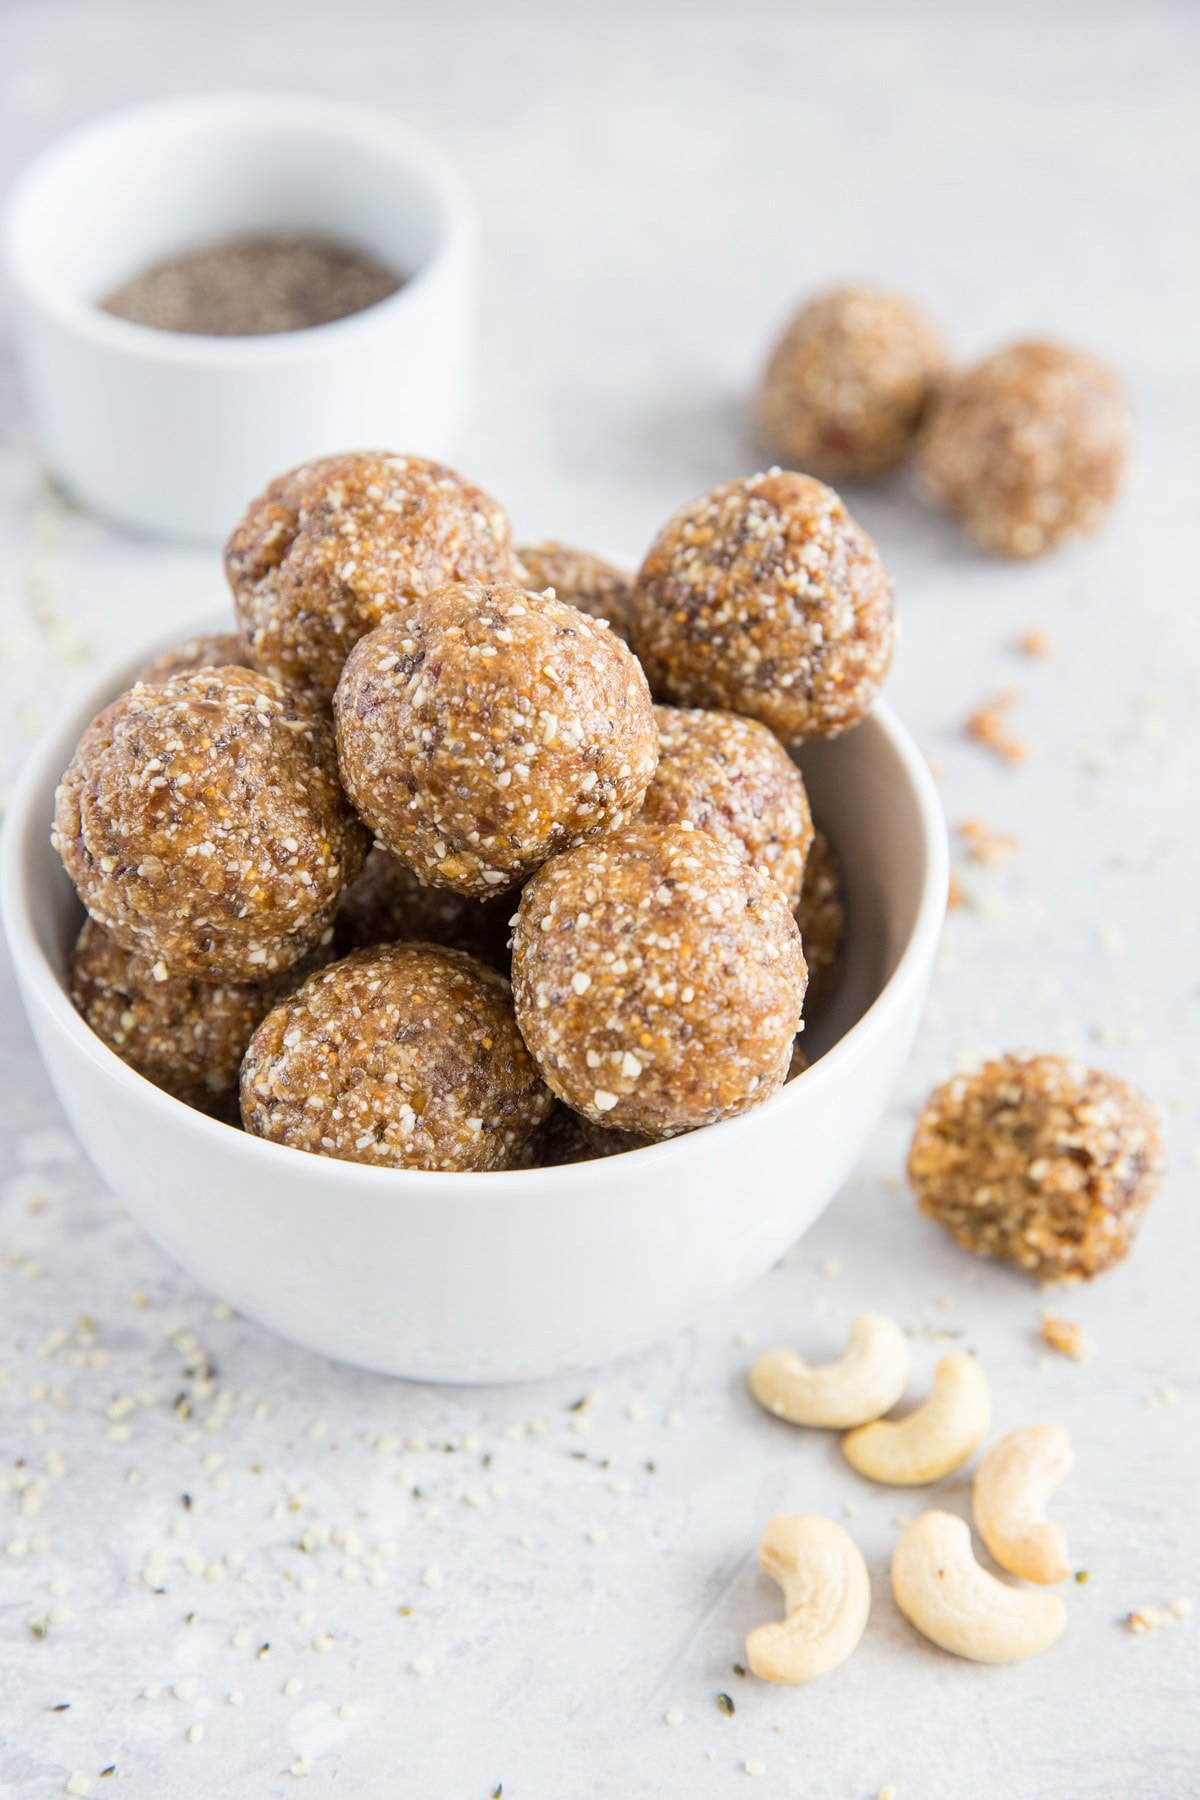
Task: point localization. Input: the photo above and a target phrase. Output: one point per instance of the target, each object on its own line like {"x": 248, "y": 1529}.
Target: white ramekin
{"x": 513, "y": 1276}
{"x": 176, "y": 433}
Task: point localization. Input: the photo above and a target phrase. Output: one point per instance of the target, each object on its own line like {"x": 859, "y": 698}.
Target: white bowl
{"x": 172, "y": 432}
{"x": 509, "y": 1276}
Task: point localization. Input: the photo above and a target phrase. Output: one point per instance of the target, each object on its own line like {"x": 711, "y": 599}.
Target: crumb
{"x": 986, "y": 846}
{"x": 988, "y": 726}
{"x": 1036, "y": 642}
{"x": 1067, "y": 1337}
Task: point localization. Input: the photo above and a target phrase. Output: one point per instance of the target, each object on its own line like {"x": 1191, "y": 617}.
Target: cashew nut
{"x": 942, "y": 1590}
{"x": 827, "y": 1595}
{"x": 1014, "y": 1481}
{"x": 934, "y": 1439}
{"x": 861, "y": 1385}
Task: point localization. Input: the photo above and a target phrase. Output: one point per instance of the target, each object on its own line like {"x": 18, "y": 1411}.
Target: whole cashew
{"x": 1013, "y": 1483}
{"x": 861, "y": 1385}
{"x": 942, "y": 1590}
{"x": 826, "y": 1593}
{"x": 934, "y": 1439}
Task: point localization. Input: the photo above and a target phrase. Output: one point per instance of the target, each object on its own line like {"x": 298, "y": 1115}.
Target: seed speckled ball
{"x": 1028, "y": 448}
{"x": 765, "y": 598}
{"x": 1039, "y": 1160}
{"x": 386, "y": 904}
{"x": 582, "y": 580}
{"x": 732, "y": 778}
{"x": 658, "y": 980}
{"x": 848, "y": 382}
{"x": 186, "y": 1036}
{"x": 406, "y": 1057}
{"x": 336, "y": 546}
{"x": 486, "y": 729}
{"x": 203, "y": 823}
{"x": 215, "y": 650}
{"x": 821, "y": 916}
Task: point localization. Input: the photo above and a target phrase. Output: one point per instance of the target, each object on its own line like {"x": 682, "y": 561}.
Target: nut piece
{"x": 1040, "y": 1160}
{"x": 848, "y": 382}
{"x": 1028, "y": 448}
{"x": 826, "y": 1595}
{"x": 485, "y": 729}
{"x": 215, "y": 650}
{"x": 942, "y": 1590}
{"x": 332, "y": 548}
{"x": 862, "y": 1385}
{"x": 936, "y": 1438}
{"x": 581, "y": 579}
{"x": 765, "y": 598}
{"x": 1012, "y": 1485}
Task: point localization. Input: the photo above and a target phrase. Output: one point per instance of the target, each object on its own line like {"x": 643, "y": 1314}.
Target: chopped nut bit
{"x": 1067, "y": 1337}
{"x": 1036, "y": 642}
{"x": 988, "y": 725}
{"x": 984, "y": 845}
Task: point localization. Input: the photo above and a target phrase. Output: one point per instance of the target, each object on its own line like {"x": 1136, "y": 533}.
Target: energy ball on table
{"x": 1039, "y": 1160}
{"x": 386, "y": 903}
{"x": 765, "y": 598}
{"x": 487, "y": 728}
{"x": 407, "y": 1057}
{"x": 848, "y": 383}
{"x": 186, "y": 1036}
{"x": 821, "y": 916}
{"x": 582, "y": 580}
{"x": 203, "y": 823}
{"x": 732, "y": 778}
{"x": 336, "y": 546}
{"x": 658, "y": 980}
{"x": 216, "y": 650}
{"x": 1028, "y": 448}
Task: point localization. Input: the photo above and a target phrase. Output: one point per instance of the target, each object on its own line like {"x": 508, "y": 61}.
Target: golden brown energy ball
{"x": 406, "y": 1056}
{"x": 1039, "y": 1160}
{"x": 1028, "y": 448}
{"x": 386, "y": 904}
{"x": 765, "y": 598}
{"x": 203, "y": 823}
{"x": 821, "y": 916}
{"x": 186, "y": 1036}
{"x": 336, "y": 546}
{"x": 567, "y": 1137}
{"x": 848, "y": 383}
{"x": 487, "y": 728}
{"x": 732, "y": 778}
{"x": 215, "y": 650}
{"x": 658, "y": 980}
{"x": 582, "y": 580}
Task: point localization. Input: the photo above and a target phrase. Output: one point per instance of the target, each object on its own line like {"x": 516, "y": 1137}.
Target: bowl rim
{"x": 34, "y": 789}
{"x": 272, "y": 111}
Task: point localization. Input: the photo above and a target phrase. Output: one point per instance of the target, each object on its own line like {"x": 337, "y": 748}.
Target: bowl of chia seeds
{"x": 211, "y": 289}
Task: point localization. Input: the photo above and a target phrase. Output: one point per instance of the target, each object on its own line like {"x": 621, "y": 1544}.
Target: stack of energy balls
{"x": 463, "y": 857}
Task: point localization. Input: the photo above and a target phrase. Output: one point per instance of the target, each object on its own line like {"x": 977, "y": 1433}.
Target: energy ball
{"x": 216, "y": 650}
{"x": 1039, "y": 1160}
{"x": 567, "y": 1137}
{"x": 1028, "y": 448}
{"x": 582, "y": 580}
{"x": 821, "y": 916}
{"x": 386, "y": 903}
{"x": 203, "y": 824}
{"x": 406, "y": 1057}
{"x": 732, "y": 778}
{"x": 658, "y": 980}
{"x": 487, "y": 728}
{"x": 186, "y": 1036}
{"x": 765, "y": 598}
{"x": 848, "y": 383}
{"x": 336, "y": 546}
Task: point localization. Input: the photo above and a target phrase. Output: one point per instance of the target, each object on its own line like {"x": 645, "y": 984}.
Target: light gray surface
{"x": 656, "y": 191}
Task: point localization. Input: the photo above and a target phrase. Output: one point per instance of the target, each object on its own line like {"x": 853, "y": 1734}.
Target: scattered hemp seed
{"x": 422, "y": 1665}
{"x": 236, "y": 1697}
{"x": 754, "y": 1767}
{"x": 79, "y": 1784}
{"x": 726, "y": 1705}
{"x": 323, "y": 1643}
{"x": 293, "y": 1686}
{"x": 195, "y": 1733}
{"x": 674, "y": 1716}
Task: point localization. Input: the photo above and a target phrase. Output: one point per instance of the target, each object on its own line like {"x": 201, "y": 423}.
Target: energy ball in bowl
{"x": 186, "y": 1036}
{"x": 1039, "y": 1160}
{"x": 732, "y": 778}
{"x": 765, "y": 598}
{"x": 386, "y": 903}
{"x": 488, "y": 728}
{"x": 215, "y": 650}
{"x": 567, "y": 1137}
{"x": 582, "y": 580}
{"x": 821, "y": 916}
{"x": 406, "y": 1057}
{"x": 1028, "y": 448}
{"x": 658, "y": 980}
{"x": 334, "y": 547}
{"x": 848, "y": 383}
{"x": 203, "y": 824}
